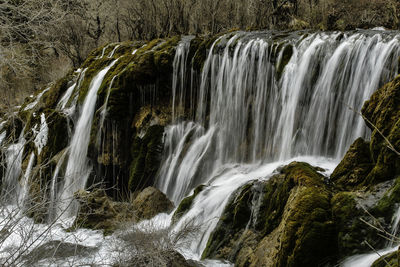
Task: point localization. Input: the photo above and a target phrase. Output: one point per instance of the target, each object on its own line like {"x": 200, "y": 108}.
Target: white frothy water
{"x": 41, "y": 135}
{"x": 77, "y": 171}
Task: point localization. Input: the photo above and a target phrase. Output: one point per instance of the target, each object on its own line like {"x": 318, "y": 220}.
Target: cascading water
{"x": 14, "y": 155}
{"x": 256, "y": 116}
{"x": 263, "y": 100}
{"x": 77, "y": 170}
{"x": 179, "y": 76}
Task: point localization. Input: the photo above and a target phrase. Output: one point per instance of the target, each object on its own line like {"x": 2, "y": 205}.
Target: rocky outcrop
{"x": 151, "y": 202}
{"x": 382, "y": 115}
{"x": 97, "y": 211}
{"x": 292, "y": 224}
{"x": 354, "y": 167}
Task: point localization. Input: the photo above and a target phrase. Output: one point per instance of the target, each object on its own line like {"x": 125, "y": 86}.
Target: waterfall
{"x": 179, "y": 76}
{"x": 262, "y": 103}
{"x": 77, "y": 170}
{"x": 14, "y": 155}
{"x": 23, "y": 188}
{"x": 252, "y": 113}
{"x": 53, "y": 188}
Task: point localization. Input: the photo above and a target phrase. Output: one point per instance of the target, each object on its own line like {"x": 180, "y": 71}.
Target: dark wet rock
{"x": 146, "y": 158}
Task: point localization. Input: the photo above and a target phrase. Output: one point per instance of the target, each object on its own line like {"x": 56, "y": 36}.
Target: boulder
{"x": 291, "y": 226}
{"x": 97, "y": 211}
{"x": 354, "y": 167}
{"x": 151, "y": 202}
{"x": 382, "y": 115}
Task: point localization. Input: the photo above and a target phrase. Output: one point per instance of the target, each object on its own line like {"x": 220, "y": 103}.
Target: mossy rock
{"x": 351, "y": 232}
{"x": 354, "y": 167}
{"x": 387, "y": 205}
{"x": 382, "y": 112}
{"x": 151, "y": 202}
{"x": 389, "y": 260}
{"x": 98, "y": 212}
{"x": 294, "y": 214}
{"x": 146, "y": 158}
{"x": 186, "y": 203}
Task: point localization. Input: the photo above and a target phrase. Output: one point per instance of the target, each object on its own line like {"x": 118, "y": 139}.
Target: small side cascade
{"x": 14, "y": 155}
{"x": 54, "y": 188}
{"x": 37, "y": 99}
{"x": 77, "y": 170}
{"x": 179, "y": 82}
{"x": 113, "y": 51}
{"x": 23, "y": 188}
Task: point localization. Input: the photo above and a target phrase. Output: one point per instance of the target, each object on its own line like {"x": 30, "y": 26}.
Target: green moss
{"x": 146, "y": 158}
{"x": 304, "y": 174}
{"x": 383, "y": 113}
{"x": 350, "y": 230}
{"x": 354, "y": 167}
{"x": 201, "y": 54}
{"x": 93, "y": 69}
{"x": 186, "y": 203}
{"x": 386, "y": 206}
{"x": 309, "y": 235}
{"x": 276, "y": 194}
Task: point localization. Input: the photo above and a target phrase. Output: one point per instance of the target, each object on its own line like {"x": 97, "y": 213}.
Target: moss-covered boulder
{"x": 382, "y": 115}
{"x": 97, "y": 211}
{"x": 291, "y": 226}
{"x": 354, "y": 167}
{"x": 387, "y": 205}
{"x": 151, "y": 202}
